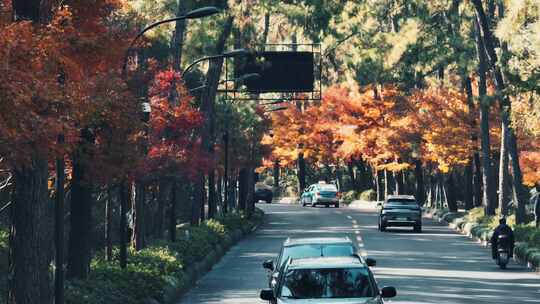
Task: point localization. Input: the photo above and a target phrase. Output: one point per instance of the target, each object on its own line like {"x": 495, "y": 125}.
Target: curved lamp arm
{"x": 228, "y": 54}
{"x": 194, "y": 14}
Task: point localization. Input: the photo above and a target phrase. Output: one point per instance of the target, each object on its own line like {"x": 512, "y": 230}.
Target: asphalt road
{"x": 436, "y": 266}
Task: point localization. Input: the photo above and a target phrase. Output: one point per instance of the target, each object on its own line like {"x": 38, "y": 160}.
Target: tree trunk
{"x": 386, "y": 185}
{"x": 31, "y": 236}
{"x": 451, "y": 193}
{"x": 80, "y": 234}
{"x": 59, "y": 227}
{"x": 521, "y": 195}
{"x": 207, "y": 108}
{"x": 212, "y": 207}
{"x": 301, "y": 173}
{"x": 219, "y": 193}
{"x": 203, "y": 199}
{"x": 172, "y": 213}
{"x": 398, "y": 178}
{"x": 177, "y": 41}
{"x": 242, "y": 189}
{"x": 362, "y": 176}
{"x": 138, "y": 241}
{"x": 468, "y": 195}
{"x": 441, "y": 195}
{"x": 276, "y": 178}
{"x": 339, "y": 178}
{"x": 489, "y": 195}
{"x": 419, "y": 178}
{"x": 108, "y": 225}
{"x": 380, "y": 187}
{"x": 352, "y": 176}
{"x": 503, "y": 172}
{"x": 163, "y": 189}
{"x": 434, "y": 190}
{"x": 124, "y": 202}
{"x": 476, "y": 165}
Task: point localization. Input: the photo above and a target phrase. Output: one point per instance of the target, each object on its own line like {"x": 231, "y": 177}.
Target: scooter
{"x": 503, "y": 251}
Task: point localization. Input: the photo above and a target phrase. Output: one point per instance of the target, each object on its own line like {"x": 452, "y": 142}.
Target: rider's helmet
{"x": 502, "y": 220}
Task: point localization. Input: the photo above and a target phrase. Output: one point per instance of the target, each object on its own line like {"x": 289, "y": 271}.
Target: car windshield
{"x": 311, "y": 251}
{"x": 327, "y": 188}
{"x": 405, "y": 203}
{"x": 327, "y": 283}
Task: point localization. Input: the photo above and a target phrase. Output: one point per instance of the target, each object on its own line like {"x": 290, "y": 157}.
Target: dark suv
{"x": 400, "y": 211}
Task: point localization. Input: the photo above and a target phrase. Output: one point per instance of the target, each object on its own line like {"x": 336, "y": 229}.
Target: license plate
{"x": 401, "y": 219}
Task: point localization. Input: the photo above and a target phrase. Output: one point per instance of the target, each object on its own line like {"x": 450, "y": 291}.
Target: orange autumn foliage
{"x": 387, "y": 131}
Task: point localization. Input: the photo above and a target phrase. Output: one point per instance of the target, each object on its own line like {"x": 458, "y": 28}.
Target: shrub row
{"x": 160, "y": 271}
{"x": 367, "y": 195}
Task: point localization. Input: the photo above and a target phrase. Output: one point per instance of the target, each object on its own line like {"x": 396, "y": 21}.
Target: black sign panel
{"x": 279, "y": 71}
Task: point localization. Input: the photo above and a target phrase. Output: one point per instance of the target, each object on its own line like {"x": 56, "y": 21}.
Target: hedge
{"x": 366, "y": 195}
{"x": 159, "y": 271}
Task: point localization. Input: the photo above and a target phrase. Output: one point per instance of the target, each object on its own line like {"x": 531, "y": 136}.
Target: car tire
{"x": 336, "y": 205}
{"x": 417, "y": 228}
{"x": 269, "y": 201}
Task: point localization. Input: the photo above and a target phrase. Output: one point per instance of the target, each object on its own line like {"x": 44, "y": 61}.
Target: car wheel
{"x": 269, "y": 201}
{"x": 418, "y": 228}
{"x": 336, "y": 205}
{"x": 382, "y": 228}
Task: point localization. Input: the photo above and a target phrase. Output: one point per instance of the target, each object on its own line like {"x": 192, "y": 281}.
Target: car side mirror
{"x": 388, "y": 292}
{"x": 267, "y": 295}
{"x": 371, "y": 262}
{"x": 268, "y": 265}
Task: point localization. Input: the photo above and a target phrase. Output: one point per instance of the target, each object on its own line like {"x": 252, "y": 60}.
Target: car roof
{"x": 327, "y": 262}
{"x": 408, "y": 197}
{"x": 317, "y": 241}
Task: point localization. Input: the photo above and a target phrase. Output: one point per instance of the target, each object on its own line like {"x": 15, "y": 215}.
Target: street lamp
{"x": 229, "y": 54}
{"x": 193, "y": 14}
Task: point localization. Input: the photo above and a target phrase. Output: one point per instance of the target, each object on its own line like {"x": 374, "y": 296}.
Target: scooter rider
{"x": 502, "y": 230}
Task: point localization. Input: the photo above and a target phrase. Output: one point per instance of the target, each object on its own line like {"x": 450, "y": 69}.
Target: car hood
{"x": 376, "y": 300}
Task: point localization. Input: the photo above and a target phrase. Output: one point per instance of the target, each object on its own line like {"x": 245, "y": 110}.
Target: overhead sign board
{"x": 280, "y": 71}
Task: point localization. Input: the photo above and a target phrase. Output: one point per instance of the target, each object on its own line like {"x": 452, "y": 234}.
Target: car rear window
{"x": 312, "y": 251}
{"x": 328, "y": 284}
{"x": 404, "y": 202}
{"x": 328, "y": 188}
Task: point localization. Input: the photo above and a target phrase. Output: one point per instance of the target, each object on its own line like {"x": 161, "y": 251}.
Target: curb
{"x": 517, "y": 257}
{"x": 192, "y": 274}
